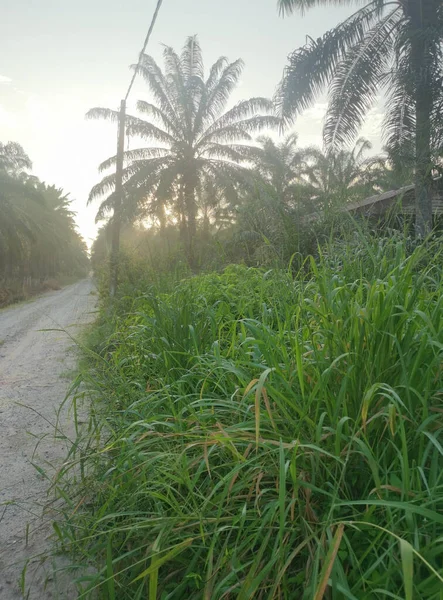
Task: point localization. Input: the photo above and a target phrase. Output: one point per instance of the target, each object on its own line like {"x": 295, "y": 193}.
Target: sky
{"x": 60, "y": 58}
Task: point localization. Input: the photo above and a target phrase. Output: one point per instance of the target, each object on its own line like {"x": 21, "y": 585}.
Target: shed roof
{"x": 372, "y": 200}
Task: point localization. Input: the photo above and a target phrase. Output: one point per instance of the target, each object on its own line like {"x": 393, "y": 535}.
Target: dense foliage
{"x": 256, "y": 434}
{"x": 38, "y": 235}
{"x": 208, "y": 178}
{"x": 291, "y": 200}
{"x": 394, "y": 46}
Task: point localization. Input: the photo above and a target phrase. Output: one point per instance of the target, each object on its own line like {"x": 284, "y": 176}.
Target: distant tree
{"x": 13, "y": 159}
{"x": 21, "y": 219}
{"x": 281, "y": 165}
{"x": 38, "y": 234}
{"x": 339, "y": 176}
{"x": 61, "y": 249}
{"x": 196, "y": 139}
{"x": 391, "y": 45}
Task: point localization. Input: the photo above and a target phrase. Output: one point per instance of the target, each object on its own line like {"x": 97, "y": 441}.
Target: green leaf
{"x": 407, "y": 560}
{"x": 157, "y": 562}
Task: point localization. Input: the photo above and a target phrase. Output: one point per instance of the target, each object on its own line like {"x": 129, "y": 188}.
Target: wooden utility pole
{"x": 118, "y": 203}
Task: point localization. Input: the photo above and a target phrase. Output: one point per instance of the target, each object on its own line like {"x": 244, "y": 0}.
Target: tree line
{"x": 38, "y": 234}
{"x": 202, "y": 165}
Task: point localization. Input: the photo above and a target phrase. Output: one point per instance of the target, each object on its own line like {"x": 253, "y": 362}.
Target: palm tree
{"x": 391, "y": 45}
{"x": 38, "y": 236}
{"x": 281, "y": 165}
{"x": 13, "y": 159}
{"x": 340, "y": 176}
{"x": 195, "y": 138}
{"x": 21, "y": 216}
{"x": 268, "y": 216}
{"x": 61, "y": 249}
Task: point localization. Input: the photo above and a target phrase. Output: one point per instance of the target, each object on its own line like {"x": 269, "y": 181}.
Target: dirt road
{"x": 34, "y": 371}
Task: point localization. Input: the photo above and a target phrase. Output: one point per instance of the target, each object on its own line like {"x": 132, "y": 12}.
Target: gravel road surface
{"x": 34, "y": 377}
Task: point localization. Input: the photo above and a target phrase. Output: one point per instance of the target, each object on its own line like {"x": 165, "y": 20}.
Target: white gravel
{"x": 34, "y": 377}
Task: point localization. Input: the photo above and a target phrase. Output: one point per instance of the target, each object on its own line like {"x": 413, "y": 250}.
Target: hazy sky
{"x": 61, "y": 57}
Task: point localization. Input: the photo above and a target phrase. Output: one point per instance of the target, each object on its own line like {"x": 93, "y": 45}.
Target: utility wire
{"x": 148, "y": 35}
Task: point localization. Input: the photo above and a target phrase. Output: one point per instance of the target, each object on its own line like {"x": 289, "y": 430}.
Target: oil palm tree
{"x": 38, "y": 235}
{"x": 339, "y": 176}
{"x": 13, "y": 159}
{"x": 390, "y": 45}
{"x": 270, "y": 212}
{"x": 21, "y": 216}
{"x": 195, "y": 136}
{"x": 61, "y": 248}
{"x": 281, "y": 164}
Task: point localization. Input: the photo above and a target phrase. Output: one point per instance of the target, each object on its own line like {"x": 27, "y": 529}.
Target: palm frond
{"x": 233, "y": 152}
{"x": 147, "y": 131}
{"x": 142, "y": 173}
{"x": 107, "y": 184}
{"x": 399, "y": 121}
{"x": 168, "y": 179}
{"x": 135, "y": 154}
{"x": 106, "y": 207}
{"x": 103, "y": 113}
{"x": 214, "y": 73}
{"x": 13, "y": 158}
{"x": 362, "y": 145}
{"x": 287, "y": 7}
{"x": 356, "y": 81}
{"x": 191, "y": 59}
{"x": 240, "y": 111}
{"x": 218, "y": 93}
{"x": 134, "y": 125}
{"x": 240, "y": 130}
{"x": 313, "y": 66}
{"x": 158, "y": 86}
{"x": 151, "y": 110}
{"x": 180, "y": 88}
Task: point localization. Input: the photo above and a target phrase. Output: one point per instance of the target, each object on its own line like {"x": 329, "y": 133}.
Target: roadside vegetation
{"x": 265, "y": 388}
{"x": 40, "y": 247}
{"x": 267, "y": 434}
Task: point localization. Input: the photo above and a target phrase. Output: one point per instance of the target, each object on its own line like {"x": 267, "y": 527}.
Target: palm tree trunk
{"x": 162, "y": 220}
{"x": 191, "y": 210}
{"x": 421, "y": 21}
{"x": 206, "y": 224}
{"x": 182, "y": 217}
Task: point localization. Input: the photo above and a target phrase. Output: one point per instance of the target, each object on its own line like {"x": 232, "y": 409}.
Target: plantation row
{"x": 266, "y": 434}
{"x": 40, "y": 247}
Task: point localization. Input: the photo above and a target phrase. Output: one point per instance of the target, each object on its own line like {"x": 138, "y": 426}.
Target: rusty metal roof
{"x": 378, "y": 204}
{"x": 378, "y": 198}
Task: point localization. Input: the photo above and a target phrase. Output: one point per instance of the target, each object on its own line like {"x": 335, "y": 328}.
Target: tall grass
{"x": 262, "y": 435}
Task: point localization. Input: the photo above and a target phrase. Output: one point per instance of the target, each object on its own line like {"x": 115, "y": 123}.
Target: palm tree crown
{"x": 281, "y": 164}
{"x": 340, "y": 176}
{"x": 13, "y": 159}
{"x": 195, "y": 138}
{"x": 390, "y": 45}
{"x": 38, "y": 233}
{"x": 368, "y": 52}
